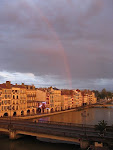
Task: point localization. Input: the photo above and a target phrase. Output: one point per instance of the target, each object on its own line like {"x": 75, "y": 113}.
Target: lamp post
{"x": 84, "y": 115}
{"x": 10, "y": 115}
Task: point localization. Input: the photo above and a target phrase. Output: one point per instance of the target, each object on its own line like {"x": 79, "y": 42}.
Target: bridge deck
{"x": 72, "y": 132}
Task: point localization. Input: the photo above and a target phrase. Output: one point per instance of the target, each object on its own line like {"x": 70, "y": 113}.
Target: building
{"x": 88, "y": 97}
{"x": 32, "y": 103}
{"x": 54, "y": 99}
{"x": 5, "y": 98}
{"x": 66, "y": 102}
{"x": 78, "y": 98}
{"x": 20, "y": 100}
{"x": 41, "y": 100}
{"x": 13, "y": 100}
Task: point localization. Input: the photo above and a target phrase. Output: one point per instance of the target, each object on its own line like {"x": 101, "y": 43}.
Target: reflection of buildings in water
{"x": 12, "y": 145}
{"x": 90, "y": 117}
{"x": 95, "y": 115}
{"x": 109, "y": 115}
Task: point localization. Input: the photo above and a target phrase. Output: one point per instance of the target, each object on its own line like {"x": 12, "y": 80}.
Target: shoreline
{"x": 44, "y": 115}
{"x": 50, "y": 114}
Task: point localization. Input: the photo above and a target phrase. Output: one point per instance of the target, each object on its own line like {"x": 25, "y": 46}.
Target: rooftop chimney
{"x": 8, "y": 84}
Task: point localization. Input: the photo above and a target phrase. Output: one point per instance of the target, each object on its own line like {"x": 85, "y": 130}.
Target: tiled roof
{"x": 78, "y": 90}
{"x": 3, "y": 86}
{"x": 18, "y": 86}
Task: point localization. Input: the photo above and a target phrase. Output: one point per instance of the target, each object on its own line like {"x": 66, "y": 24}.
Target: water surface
{"x": 93, "y": 116}
{"x": 31, "y": 143}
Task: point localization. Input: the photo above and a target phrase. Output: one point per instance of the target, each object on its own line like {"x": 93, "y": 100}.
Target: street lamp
{"x": 10, "y": 114}
{"x": 84, "y": 115}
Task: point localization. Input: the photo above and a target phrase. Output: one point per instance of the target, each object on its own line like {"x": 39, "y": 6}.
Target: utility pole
{"x": 84, "y": 115}
{"x": 10, "y": 115}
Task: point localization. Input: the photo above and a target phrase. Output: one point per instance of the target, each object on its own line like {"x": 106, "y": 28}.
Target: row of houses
{"x": 19, "y": 100}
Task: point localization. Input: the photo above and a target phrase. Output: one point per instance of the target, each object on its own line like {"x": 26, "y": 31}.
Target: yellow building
{"x": 78, "y": 98}
{"x": 66, "y": 102}
{"x": 5, "y": 98}
{"x": 92, "y": 98}
{"x": 0, "y": 98}
{"x": 32, "y": 103}
{"x": 18, "y": 100}
{"x": 54, "y": 99}
{"x": 13, "y": 100}
{"x": 88, "y": 97}
{"x": 41, "y": 99}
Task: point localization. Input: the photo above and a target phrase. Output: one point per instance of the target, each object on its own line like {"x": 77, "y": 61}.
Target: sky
{"x": 59, "y": 43}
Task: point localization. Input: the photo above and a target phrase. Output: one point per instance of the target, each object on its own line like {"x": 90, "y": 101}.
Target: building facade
{"x": 13, "y": 100}
{"x": 21, "y": 100}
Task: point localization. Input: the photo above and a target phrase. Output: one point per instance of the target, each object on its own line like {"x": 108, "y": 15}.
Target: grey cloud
{"x": 45, "y": 37}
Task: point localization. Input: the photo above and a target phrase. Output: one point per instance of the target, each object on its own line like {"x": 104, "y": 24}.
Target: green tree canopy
{"x": 101, "y": 126}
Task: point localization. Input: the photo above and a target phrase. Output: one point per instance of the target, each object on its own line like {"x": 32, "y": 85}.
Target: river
{"x": 94, "y": 115}
{"x": 31, "y": 143}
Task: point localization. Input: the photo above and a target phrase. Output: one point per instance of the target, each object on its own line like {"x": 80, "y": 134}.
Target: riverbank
{"x": 102, "y": 106}
{"x": 50, "y": 114}
{"x": 45, "y": 115}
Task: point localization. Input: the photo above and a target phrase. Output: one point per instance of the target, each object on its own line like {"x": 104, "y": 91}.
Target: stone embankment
{"x": 51, "y": 114}
{"x": 44, "y": 115}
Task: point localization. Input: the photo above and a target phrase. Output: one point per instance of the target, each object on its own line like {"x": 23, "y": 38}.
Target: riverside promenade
{"x": 44, "y": 115}
{"x": 51, "y": 114}
{"x": 28, "y": 117}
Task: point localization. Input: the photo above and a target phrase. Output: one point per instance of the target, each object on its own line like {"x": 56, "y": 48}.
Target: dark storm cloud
{"x": 57, "y": 38}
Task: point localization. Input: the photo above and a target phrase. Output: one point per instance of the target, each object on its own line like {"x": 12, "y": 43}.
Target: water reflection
{"x": 95, "y": 115}
{"x": 31, "y": 143}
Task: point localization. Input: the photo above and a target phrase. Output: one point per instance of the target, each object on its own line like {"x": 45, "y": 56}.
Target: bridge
{"x": 65, "y": 132}
{"x": 103, "y": 106}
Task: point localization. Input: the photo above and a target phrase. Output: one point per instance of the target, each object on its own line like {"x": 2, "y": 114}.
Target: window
{"x": 16, "y": 107}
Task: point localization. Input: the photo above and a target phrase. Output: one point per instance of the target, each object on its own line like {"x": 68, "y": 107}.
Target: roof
{"x": 3, "y": 86}
{"x": 55, "y": 88}
{"x": 18, "y": 86}
{"x": 78, "y": 90}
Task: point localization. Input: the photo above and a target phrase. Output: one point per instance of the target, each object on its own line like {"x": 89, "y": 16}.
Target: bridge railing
{"x": 66, "y": 124}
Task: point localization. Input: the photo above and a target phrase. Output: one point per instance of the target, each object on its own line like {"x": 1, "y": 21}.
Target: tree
{"x": 109, "y": 95}
{"x": 97, "y": 94}
{"x": 103, "y": 93}
{"x": 101, "y": 126}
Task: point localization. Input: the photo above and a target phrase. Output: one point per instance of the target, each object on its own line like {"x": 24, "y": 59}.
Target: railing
{"x": 65, "y": 124}
{"x": 55, "y": 128}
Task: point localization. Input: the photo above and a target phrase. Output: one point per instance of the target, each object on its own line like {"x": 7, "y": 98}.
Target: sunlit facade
{"x": 77, "y": 98}
{"x": 31, "y": 99}
{"x": 22, "y": 100}
{"x": 41, "y": 100}
{"x": 13, "y": 100}
{"x": 88, "y": 97}
{"x": 54, "y": 99}
{"x": 66, "y": 102}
